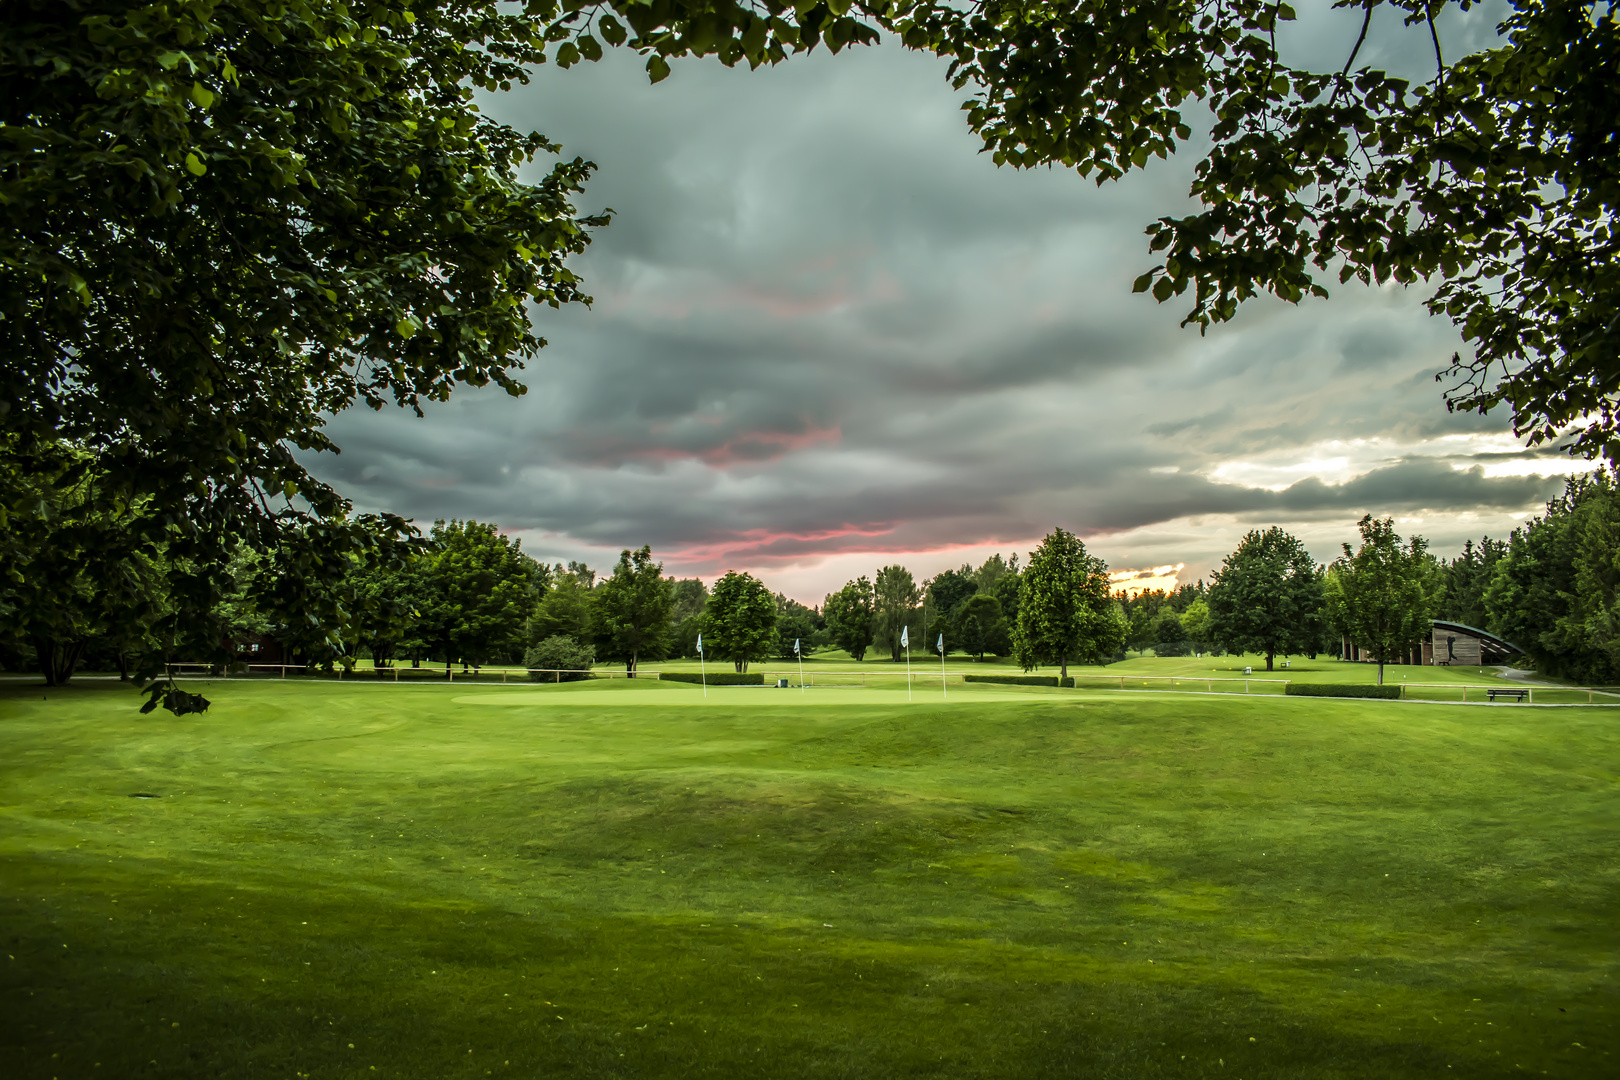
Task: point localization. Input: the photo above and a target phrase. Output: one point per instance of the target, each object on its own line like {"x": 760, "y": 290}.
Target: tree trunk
{"x": 1063, "y": 667}
{"x": 123, "y": 666}
{"x": 1268, "y": 660}
{"x": 630, "y": 666}
{"x": 1380, "y": 669}
{"x": 56, "y": 660}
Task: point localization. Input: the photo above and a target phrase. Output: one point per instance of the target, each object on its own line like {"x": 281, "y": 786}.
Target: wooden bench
{"x": 1501, "y": 691}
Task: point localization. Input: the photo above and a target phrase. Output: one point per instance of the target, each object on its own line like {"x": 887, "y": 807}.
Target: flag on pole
{"x": 700, "y": 644}
{"x": 939, "y": 646}
{"x": 795, "y": 646}
{"x": 905, "y": 643}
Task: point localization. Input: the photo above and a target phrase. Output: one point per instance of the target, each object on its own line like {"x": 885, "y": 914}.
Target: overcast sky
{"x": 830, "y": 335}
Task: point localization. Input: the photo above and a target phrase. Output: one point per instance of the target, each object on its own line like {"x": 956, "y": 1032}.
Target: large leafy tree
{"x": 1497, "y": 178}
{"x": 944, "y": 595}
{"x": 850, "y": 613}
{"x": 1382, "y": 594}
{"x": 223, "y": 220}
{"x": 632, "y": 610}
{"x": 978, "y": 627}
{"x": 480, "y": 592}
{"x": 78, "y": 563}
{"x": 1065, "y": 611}
{"x": 567, "y": 609}
{"x": 740, "y": 622}
{"x": 795, "y": 624}
{"x": 1265, "y": 597}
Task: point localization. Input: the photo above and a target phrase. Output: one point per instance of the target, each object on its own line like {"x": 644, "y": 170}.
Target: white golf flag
{"x": 905, "y": 637}
{"x": 940, "y": 645}
{"x": 700, "y": 644}
{"x": 795, "y": 646}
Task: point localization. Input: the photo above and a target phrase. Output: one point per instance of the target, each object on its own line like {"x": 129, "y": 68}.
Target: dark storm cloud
{"x": 824, "y": 323}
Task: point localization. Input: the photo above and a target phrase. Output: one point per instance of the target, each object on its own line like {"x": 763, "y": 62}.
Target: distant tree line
{"x": 87, "y": 587}
{"x": 1549, "y": 589}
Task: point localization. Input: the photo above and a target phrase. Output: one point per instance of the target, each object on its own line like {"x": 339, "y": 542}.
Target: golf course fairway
{"x": 630, "y": 879}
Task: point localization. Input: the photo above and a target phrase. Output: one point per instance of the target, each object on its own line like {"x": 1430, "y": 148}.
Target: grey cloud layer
{"x": 825, "y": 323}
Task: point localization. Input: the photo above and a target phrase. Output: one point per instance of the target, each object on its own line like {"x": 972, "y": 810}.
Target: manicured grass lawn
{"x": 628, "y": 880}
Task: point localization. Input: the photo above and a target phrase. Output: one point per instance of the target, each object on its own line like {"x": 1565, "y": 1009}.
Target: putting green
{"x": 629, "y": 880}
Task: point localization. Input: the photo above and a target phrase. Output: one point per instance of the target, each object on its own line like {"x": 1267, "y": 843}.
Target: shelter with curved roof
{"x": 1450, "y": 644}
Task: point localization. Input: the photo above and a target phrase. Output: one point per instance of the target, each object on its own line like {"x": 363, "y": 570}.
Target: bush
{"x": 1341, "y": 690}
{"x": 1023, "y": 680}
{"x": 560, "y": 659}
{"x": 719, "y": 678}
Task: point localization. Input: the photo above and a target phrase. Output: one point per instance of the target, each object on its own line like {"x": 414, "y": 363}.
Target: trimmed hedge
{"x": 1023, "y": 680}
{"x": 719, "y": 678}
{"x": 1392, "y": 693}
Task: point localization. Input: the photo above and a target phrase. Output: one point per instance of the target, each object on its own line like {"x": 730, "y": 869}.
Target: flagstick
{"x": 703, "y": 668}
{"x": 801, "y": 666}
{"x": 942, "y": 692}
{"x": 908, "y": 672}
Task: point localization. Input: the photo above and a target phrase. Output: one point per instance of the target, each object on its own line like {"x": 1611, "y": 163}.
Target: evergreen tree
{"x": 1554, "y": 593}
{"x": 895, "y": 596}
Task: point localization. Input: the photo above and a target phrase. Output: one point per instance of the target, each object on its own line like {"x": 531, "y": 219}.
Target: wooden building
{"x": 1449, "y": 644}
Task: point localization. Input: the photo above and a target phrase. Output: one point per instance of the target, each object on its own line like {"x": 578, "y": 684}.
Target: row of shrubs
{"x": 1023, "y": 680}
{"x": 1341, "y": 690}
{"x": 719, "y": 678}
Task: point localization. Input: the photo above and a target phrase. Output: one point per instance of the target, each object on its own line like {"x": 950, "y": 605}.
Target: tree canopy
{"x": 224, "y": 220}
{"x": 978, "y": 627}
{"x": 1381, "y": 595}
{"x": 1265, "y": 597}
{"x": 632, "y": 610}
{"x": 1555, "y": 590}
{"x": 850, "y": 613}
{"x": 740, "y": 622}
{"x": 895, "y": 596}
{"x": 1065, "y": 611}
{"x": 1497, "y": 178}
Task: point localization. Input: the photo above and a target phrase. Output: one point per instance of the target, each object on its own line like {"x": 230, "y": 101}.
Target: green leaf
{"x": 405, "y": 328}
{"x": 194, "y": 165}
{"x": 202, "y": 95}
{"x": 657, "y": 68}
{"x": 590, "y": 48}
{"x": 612, "y": 31}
